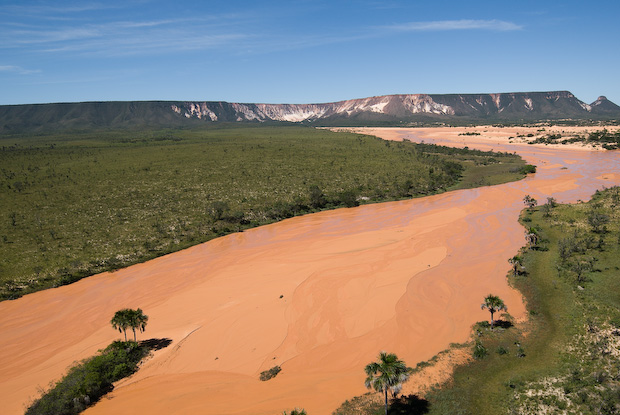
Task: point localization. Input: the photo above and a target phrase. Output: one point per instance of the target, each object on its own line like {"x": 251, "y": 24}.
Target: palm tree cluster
{"x": 388, "y": 374}
{"x": 129, "y": 318}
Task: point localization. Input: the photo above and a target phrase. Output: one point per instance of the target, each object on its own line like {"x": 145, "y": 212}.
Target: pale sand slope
{"x": 489, "y": 135}
{"x": 406, "y": 277}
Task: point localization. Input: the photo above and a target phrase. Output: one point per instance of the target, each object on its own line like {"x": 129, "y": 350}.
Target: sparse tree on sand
{"x": 295, "y": 411}
{"x": 494, "y": 304}
{"x": 388, "y": 374}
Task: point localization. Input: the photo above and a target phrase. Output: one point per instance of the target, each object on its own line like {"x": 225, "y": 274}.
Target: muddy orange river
{"x": 320, "y": 295}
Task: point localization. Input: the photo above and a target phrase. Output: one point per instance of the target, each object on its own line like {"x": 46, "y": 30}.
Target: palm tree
{"x": 120, "y": 321}
{"x": 388, "y": 374}
{"x": 493, "y": 303}
{"x": 531, "y": 237}
{"x": 530, "y": 202}
{"x": 137, "y": 320}
{"x": 516, "y": 262}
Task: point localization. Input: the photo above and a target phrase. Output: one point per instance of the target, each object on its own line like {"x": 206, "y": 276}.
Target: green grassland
{"x": 72, "y": 205}
{"x": 566, "y": 358}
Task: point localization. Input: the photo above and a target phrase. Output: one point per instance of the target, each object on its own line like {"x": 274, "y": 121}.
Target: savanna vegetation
{"x": 566, "y": 358}
{"x": 609, "y": 140}
{"x": 72, "y": 205}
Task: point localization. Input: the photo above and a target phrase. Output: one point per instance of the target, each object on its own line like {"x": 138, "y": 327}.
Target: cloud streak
{"x": 99, "y": 34}
{"x": 122, "y": 38}
{"x": 17, "y": 69}
{"x": 449, "y": 25}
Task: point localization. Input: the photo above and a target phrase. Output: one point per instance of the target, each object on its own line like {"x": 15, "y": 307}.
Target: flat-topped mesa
{"x": 403, "y": 109}
{"x": 514, "y": 106}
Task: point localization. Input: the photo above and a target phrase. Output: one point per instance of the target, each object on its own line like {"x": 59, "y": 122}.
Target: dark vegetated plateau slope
{"x": 456, "y": 109}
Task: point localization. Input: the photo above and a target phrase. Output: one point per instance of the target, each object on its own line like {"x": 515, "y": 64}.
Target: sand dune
{"x": 319, "y": 295}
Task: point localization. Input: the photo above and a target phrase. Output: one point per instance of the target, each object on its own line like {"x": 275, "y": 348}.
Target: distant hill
{"x": 381, "y": 110}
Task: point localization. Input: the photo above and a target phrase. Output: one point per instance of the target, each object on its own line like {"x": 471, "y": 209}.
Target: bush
{"x": 86, "y": 382}
{"x": 479, "y": 350}
{"x": 528, "y": 168}
{"x": 271, "y": 373}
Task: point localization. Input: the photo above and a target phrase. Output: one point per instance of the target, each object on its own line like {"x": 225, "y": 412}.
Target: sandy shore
{"x": 485, "y": 136}
{"x": 319, "y": 295}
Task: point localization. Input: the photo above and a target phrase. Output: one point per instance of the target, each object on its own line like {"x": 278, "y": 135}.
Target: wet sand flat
{"x": 320, "y": 295}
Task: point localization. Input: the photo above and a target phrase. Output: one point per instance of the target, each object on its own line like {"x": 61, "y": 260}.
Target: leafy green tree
{"x": 388, "y": 374}
{"x": 548, "y": 207}
{"x": 598, "y": 221}
{"x": 317, "y": 198}
{"x": 120, "y": 321}
{"x": 219, "y": 210}
{"x": 494, "y": 304}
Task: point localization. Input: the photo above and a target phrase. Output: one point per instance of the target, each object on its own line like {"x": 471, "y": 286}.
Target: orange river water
{"x": 320, "y": 295}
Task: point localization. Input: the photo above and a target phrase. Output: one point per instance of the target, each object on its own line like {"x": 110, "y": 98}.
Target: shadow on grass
{"x": 409, "y": 405}
{"x": 155, "y": 344}
{"x": 503, "y": 324}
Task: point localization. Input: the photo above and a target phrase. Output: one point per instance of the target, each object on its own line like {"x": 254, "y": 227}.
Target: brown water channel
{"x": 319, "y": 295}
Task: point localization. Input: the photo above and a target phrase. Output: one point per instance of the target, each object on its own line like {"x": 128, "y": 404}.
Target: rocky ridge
{"x": 404, "y": 109}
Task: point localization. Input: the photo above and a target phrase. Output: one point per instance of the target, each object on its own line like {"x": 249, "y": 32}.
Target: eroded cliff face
{"x": 381, "y": 110}
{"x": 521, "y": 105}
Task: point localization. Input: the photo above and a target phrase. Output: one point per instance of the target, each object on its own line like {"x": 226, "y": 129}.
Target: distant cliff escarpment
{"x": 381, "y": 110}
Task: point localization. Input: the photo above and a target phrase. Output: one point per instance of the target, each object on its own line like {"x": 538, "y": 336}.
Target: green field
{"x": 73, "y": 205}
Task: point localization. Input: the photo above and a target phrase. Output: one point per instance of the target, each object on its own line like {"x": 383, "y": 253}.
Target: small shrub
{"x": 271, "y": 373}
{"x": 479, "y": 350}
{"x": 528, "y": 168}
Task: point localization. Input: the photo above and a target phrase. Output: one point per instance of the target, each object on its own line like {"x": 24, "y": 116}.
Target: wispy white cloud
{"x": 115, "y": 38}
{"x": 464, "y": 24}
{"x": 58, "y": 11}
{"x": 90, "y": 30}
{"x": 18, "y": 69}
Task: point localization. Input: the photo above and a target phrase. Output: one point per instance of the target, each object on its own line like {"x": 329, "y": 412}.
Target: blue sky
{"x": 303, "y": 51}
